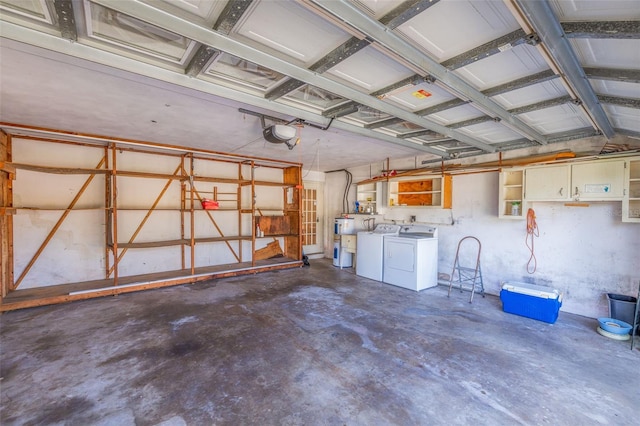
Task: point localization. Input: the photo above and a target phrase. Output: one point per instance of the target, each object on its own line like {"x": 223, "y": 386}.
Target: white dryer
{"x": 369, "y": 250}
{"x": 411, "y": 257}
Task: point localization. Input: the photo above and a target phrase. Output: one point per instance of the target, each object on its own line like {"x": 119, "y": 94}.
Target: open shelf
{"x": 631, "y": 200}
{"x": 511, "y": 193}
{"x": 426, "y": 192}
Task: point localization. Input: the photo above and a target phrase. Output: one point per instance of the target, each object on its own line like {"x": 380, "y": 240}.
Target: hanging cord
{"x": 532, "y": 231}
{"x": 345, "y": 198}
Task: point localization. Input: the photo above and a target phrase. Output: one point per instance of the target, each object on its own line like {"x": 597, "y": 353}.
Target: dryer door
{"x": 400, "y": 254}
{"x": 400, "y": 262}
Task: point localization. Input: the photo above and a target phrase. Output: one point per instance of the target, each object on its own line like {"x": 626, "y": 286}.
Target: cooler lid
{"x": 532, "y": 290}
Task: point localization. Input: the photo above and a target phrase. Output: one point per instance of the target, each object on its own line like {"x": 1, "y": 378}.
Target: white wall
{"x": 585, "y": 252}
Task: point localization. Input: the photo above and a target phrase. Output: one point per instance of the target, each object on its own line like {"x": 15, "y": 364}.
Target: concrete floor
{"x": 311, "y": 346}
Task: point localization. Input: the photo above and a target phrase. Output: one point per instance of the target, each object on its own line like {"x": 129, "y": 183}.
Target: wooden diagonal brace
{"x": 144, "y": 220}
{"x": 56, "y": 226}
{"x": 217, "y": 227}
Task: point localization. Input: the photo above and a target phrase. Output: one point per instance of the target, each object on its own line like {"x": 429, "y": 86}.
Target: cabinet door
{"x": 598, "y": 181}
{"x": 549, "y": 183}
{"x": 349, "y": 242}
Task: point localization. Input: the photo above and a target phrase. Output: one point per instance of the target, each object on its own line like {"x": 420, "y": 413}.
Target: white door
{"x": 312, "y": 225}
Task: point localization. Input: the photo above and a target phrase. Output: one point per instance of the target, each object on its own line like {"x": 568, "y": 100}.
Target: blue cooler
{"x": 531, "y": 301}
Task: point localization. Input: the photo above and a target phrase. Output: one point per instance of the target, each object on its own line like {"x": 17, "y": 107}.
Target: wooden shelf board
{"x": 150, "y": 175}
{"x": 267, "y": 183}
{"x": 221, "y": 180}
{"x": 185, "y": 241}
{"x": 7, "y": 167}
{"x": 62, "y": 293}
{"x": 59, "y": 170}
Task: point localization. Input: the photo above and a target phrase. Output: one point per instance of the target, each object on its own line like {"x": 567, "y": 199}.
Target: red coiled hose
{"x": 532, "y": 231}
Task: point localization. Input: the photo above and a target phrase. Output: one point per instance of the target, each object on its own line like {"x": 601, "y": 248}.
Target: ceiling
{"x": 361, "y": 80}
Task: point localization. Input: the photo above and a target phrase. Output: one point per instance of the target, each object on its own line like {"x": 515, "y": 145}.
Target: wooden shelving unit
{"x": 148, "y": 214}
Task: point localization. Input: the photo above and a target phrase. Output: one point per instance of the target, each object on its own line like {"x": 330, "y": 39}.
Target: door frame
{"x": 316, "y": 250}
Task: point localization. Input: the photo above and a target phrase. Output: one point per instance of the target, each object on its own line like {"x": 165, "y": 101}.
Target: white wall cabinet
{"x": 511, "y": 194}
{"x": 598, "y": 180}
{"x": 373, "y": 194}
{"x": 631, "y": 200}
{"x": 614, "y": 179}
{"x": 547, "y": 183}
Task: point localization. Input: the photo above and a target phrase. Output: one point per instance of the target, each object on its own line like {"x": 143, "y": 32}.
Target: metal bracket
{"x": 532, "y": 39}
{"x": 429, "y": 79}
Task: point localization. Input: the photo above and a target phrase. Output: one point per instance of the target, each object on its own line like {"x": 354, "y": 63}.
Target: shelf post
{"x": 107, "y": 216}
{"x": 239, "y": 209}
{"x": 114, "y": 205}
{"x": 192, "y": 242}
{"x": 6, "y": 221}
{"x": 253, "y": 214}
{"x": 183, "y": 206}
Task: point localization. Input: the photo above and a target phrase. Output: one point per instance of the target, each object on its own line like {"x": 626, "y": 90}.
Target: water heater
{"x": 344, "y": 225}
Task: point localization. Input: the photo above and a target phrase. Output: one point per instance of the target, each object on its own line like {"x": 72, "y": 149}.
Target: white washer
{"x": 369, "y": 250}
{"x": 411, "y": 258}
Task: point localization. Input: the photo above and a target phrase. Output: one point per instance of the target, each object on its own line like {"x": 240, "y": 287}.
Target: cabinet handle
{"x": 560, "y": 192}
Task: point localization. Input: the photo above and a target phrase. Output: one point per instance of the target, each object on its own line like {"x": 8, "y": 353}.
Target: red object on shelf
{"x": 209, "y": 204}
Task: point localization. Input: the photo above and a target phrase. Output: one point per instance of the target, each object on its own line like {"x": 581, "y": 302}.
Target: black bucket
{"x": 622, "y": 307}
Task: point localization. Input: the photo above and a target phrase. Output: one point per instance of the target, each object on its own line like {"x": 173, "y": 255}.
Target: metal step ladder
{"x": 467, "y": 277}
